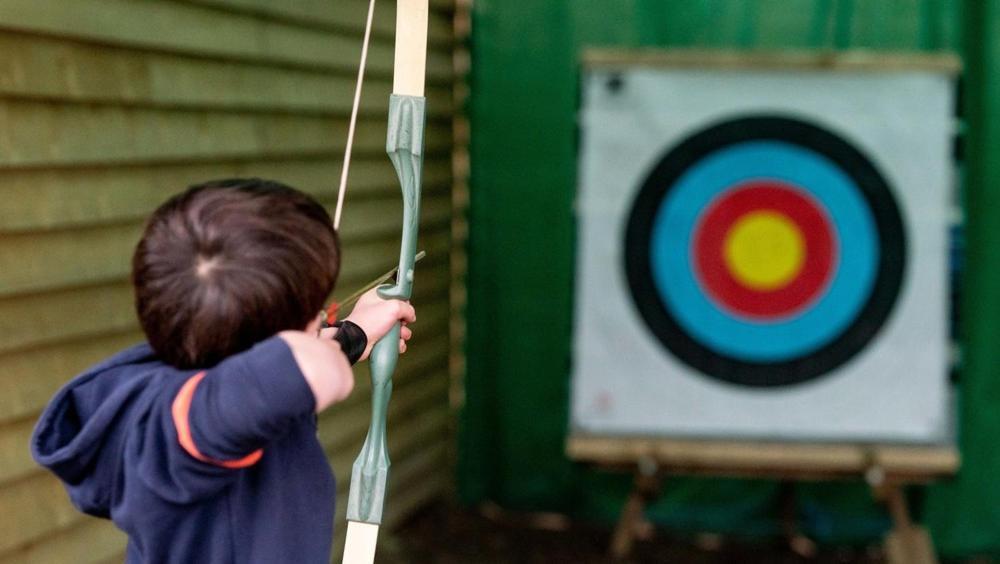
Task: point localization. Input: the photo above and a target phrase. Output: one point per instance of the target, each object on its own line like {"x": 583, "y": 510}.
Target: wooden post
{"x": 647, "y": 485}
{"x": 906, "y": 542}
{"x": 797, "y": 542}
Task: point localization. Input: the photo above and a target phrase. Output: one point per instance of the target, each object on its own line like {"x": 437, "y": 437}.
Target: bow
{"x": 405, "y": 146}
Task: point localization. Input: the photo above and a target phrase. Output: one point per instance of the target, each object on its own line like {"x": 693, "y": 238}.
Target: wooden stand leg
{"x": 797, "y": 542}
{"x": 906, "y": 543}
{"x": 632, "y": 519}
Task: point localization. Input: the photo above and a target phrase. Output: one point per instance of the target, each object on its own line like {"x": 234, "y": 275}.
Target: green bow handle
{"x": 405, "y": 145}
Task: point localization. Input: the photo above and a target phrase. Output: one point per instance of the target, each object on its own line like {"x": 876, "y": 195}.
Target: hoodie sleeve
{"x": 211, "y": 424}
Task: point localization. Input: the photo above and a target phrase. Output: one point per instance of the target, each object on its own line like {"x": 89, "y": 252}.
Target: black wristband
{"x": 352, "y": 339}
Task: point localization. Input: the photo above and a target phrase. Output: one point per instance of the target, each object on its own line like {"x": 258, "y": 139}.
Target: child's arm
{"x": 208, "y": 425}
{"x": 222, "y": 419}
{"x": 225, "y": 415}
{"x": 321, "y": 361}
{"x": 323, "y": 366}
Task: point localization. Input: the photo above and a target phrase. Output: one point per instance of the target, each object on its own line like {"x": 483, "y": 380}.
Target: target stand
{"x": 887, "y": 469}
{"x": 762, "y": 272}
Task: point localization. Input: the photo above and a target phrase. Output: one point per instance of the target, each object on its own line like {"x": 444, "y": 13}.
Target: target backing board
{"x": 762, "y": 253}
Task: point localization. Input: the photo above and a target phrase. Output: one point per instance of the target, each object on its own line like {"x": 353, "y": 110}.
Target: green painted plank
{"x": 179, "y": 28}
{"x": 44, "y": 135}
{"x": 843, "y": 23}
{"x": 887, "y": 24}
{"x": 41, "y": 506}
{"x": 29, "y": 378}
{"x": 962, "y": 513}
{"x": 92, "y": 540}
{"x": 349, "y": 15}
{"x": 36, "y": 262}
{"x": 108, "y": 75}
{"x": 43, "y": 199}
{"x": 15, "y": 460}
{"x": 33, "y": 320}
{"x": 779, "y": 27}
{"x": 380, "y": 219}
{"x": 60, "y": 135}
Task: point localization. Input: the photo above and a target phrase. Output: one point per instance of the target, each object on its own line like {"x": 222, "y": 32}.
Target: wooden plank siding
{"x": 107, "y": 107}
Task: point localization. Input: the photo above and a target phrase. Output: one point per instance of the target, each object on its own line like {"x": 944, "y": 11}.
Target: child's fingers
{"x": 405, "y": 333}
{"x": 406, "y": 313}
{"x": 402, "y": 346}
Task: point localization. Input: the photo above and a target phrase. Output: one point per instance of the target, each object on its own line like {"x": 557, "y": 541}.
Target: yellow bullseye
{"x": 764, "y": 250}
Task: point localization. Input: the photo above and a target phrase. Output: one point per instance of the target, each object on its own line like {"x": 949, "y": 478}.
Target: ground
{"x": 443, "y": 534}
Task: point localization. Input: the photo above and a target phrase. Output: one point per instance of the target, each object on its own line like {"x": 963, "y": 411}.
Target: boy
{"x": 201, "y": 444}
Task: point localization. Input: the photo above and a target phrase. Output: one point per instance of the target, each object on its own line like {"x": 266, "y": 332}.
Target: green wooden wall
{"x": 107, "y": 108}
{"x": 525, "y": 82}
{"x": 965, "y": 514}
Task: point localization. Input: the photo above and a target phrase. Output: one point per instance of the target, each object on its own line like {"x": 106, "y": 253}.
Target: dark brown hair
{"x": 228, "y": 264}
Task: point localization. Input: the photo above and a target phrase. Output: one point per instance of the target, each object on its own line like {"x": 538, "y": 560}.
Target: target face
{"x": 765, "y": 251}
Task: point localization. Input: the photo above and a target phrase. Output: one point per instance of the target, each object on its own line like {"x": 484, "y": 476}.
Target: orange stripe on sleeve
{"x": 180, "y": 410}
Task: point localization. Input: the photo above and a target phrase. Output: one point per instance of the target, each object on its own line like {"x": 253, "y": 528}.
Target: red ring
{"x": 766, "y": 195}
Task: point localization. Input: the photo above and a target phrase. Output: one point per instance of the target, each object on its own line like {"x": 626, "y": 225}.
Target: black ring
{"x": 885, "y": 291}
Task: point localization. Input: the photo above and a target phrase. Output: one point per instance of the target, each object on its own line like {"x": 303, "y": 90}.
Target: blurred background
{"x": 108, "y": 107}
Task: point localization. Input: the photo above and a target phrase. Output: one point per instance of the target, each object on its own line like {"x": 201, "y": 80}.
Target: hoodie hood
{"x": 80, "y": 436}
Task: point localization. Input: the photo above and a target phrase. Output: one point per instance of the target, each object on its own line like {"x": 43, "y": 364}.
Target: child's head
{"x": 228, "y": 264}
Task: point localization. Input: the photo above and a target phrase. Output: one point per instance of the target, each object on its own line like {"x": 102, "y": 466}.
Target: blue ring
{"x": 751, "y": 340}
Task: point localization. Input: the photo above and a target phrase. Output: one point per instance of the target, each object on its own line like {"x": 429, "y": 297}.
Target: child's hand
{"x": 376, "y": 317}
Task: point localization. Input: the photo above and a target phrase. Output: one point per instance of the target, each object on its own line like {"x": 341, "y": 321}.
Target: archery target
{"x": 763, "y": 253}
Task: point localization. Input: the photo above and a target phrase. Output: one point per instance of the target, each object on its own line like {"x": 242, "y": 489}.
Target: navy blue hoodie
{"x": 212, "y": 466}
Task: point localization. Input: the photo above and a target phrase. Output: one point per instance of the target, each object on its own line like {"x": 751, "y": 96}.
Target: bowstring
{"x": 354, "y": 117}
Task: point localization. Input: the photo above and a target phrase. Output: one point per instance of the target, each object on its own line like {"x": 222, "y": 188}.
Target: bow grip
{"x": 405, "y": 146}
{"x": 370, "y": 473}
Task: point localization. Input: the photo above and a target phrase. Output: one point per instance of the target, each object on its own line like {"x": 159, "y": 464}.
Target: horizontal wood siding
{"x": 107, "y": 107}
